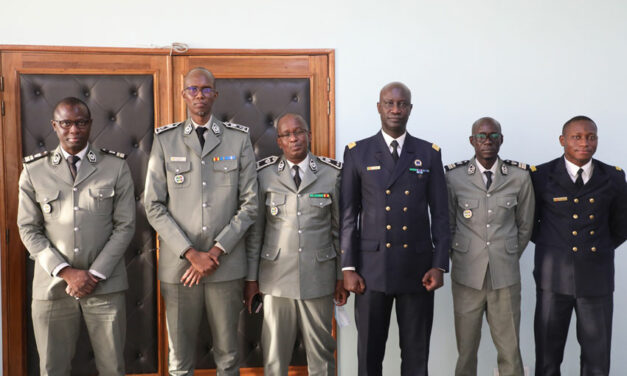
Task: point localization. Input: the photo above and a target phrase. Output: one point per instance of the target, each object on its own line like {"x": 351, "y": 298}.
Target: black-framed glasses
{"x": 193, "y": 90}
{"x": 482, "y": 137}
{"x": 297, "y": 133}
{"x": 67, "y": 124}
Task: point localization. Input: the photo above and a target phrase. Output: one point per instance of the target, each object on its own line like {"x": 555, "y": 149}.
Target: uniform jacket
{"x": 195, "y": 198}
{"x": 578, "y": 229}
{"x": 489, "y": 227}
{"x": 87, "y": 223}
{"x": 384, "y": 210}
{"x": 296, "y": 234}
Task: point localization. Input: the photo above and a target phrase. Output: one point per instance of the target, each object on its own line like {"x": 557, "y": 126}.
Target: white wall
{"x": 531, "y": 64}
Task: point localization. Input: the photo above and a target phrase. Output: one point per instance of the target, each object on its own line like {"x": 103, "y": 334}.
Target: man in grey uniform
{"x": 201, "y": 197}
{"x": 297, "y": 237}
{"x": 491, "y": 205}
{"x": 76, "y": 217}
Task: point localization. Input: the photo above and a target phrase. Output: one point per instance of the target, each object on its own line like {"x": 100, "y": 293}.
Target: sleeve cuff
{"x": 349, "y": 268}
{"x": 56, "y": 270}
{"x": 220, "y": 246}
{"x": 97, "y": 274}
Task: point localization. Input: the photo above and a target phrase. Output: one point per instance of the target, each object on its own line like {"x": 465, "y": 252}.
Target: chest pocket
{"x": 178, "y": 174}
{"x": 101, "y": 200}
{"x": 275, "y": 204}
{"x": 467, "y": 208}
{"x": 507, "y": 202}
{"x": 227, "y": 171}
{"x": 320, "y": 202}
{"x": 49, "y": 203}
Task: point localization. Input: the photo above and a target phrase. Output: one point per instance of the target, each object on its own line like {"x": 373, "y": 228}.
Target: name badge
{"x": 178, "y": 159}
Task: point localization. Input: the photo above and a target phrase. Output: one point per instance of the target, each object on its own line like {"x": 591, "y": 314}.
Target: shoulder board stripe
{"x": 166, "y": 128}
{"x": 34, "y": 157}
{"x": 520, "y": 165}
{"x": 238, "y": 127}
{"x": 267, "y": 162}
{"x": 331, "y": 162}
{"x": 452, "y": 166}
{"x": 114, "y": 153}
{"x": 351, "y": 145}
{"x": 618, "y": 168}
{"x": 435, "y": 147}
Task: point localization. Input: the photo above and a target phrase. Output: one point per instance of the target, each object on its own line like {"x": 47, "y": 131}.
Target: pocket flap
{"x": 101, "y": 193}
{"x": 461, "y": 243}
{"x": 319, "y": 202}
{"x": 268, "y": 253}
{"x": 225, "y": 166}
{"x": 274, "y": 199}
{"x": 467, "y": 204}
{"x": 326, "y": 254}
{"x": 178, "y": 167}
{"x": 46, "y": 196}
{"x": 511, "y": 245}
{"x": 369, "y": 245}
{"x": 507, "y": 202}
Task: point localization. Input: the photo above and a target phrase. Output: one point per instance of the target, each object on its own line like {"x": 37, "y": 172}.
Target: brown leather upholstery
{"x": 123, "y": 113}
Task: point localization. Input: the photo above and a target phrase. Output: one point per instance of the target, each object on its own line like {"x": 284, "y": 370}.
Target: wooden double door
{"x": 130, "y": 92}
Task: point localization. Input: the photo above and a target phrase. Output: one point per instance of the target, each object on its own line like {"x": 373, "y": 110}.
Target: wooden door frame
{"x": 13, "y": 263}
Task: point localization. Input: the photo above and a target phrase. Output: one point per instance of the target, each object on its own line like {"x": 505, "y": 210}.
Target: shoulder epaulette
{"x": 331, "y": 162}
{"x": 266, "y": 162}
{"x": 166, "y": 127}
{"x": 618, "y": 168}
{"x": 533, "y": 168}
{"x": 435, "y": 147}
{"x": 239, "y": 127}
{"x": 521, "y": 165}
{"x": 451, "y": 166}
{"x": 35, "y": 157}
{"x": 351, "y": 145}
{"x": 114, "y": 153}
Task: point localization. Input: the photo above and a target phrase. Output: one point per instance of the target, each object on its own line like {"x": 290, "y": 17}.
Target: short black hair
{"x": 575, "y": 119}
{"x": 73, "y": 102}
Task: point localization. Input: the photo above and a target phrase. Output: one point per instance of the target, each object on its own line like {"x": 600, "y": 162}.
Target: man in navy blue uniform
{"x": 391, "y": 182}
{"x": 581, "y": 218}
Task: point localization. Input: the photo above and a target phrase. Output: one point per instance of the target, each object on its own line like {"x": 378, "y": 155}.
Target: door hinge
{"x": 1, "y": 83}
{"x": 2, "y": 109}
{"x": 328, "y": 84}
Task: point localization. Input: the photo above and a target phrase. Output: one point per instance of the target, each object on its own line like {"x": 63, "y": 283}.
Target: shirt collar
{"x": 483, "y": 169}
{"x": 206, "y": 125}
{"x": 302, "y": 165}
{"x": 80, "y": 154}
{"x": 388, "y": 139}
{"x": 573, "y": 168}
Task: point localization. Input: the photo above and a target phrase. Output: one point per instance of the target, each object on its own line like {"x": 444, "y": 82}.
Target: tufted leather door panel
{"x": 122, "y": 108}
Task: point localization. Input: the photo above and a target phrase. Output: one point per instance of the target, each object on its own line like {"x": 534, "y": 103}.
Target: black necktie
{"x": 296, "y": 176}
{"x": 579, "y": 181}
{"x": 200, "y": 131}
{"x": 488, "y": 182}
{"x": 72, "y": 160}
{"x": 394, "y": 145}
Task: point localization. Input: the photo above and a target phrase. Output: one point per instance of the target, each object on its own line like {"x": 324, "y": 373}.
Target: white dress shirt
{"x": 573, "y": 168}
{"x": 483, "y": 169}
{"x": 388, "y": 140}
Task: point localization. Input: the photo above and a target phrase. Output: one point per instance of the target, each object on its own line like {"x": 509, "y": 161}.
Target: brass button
{"x": 405, "y": 209}
{"x": 404, "y": 228}
{"x": 387, "y": 208}
{"x": 591, "y": 200}
{"x": 593, "y": 249}
{"x": 387, "y": 191}
{"x": 406, "y": 193}
{"x": 405, "y": 246}
{"x": 574, "y": 233}
{"x": 591, "y": 216}
{"x": 575, "y": 216}
{"x": 388, "y": 227}
{"x": 574, "y": 249}
{"x": 388, "y": 245}
{"x": 342, "y": 251}
{"x": 576, "y": 201}
{"x": 591, "y": 232}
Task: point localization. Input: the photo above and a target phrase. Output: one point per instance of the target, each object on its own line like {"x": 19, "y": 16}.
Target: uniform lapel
{"x": 87, "y": 167}
{"x": 384, "y": 157}
{"x": 407, "y": 155}
{"x": 285, "y": 176}
{"x": 498, "y": 178}
{"x": 561, "y": 177}
{"x": 212, "y": 139}
{"x": 62, "y": 170}
{"x": 309, "y": 176}
{"x": 598, "y": 178}
{"x": 475, "y": 175}
{"x": 190, "y": 137}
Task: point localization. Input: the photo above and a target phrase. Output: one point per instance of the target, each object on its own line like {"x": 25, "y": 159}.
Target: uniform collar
{"x": 302, "y": 165}
{"x": 483, "y": 169}
{"x": 80, "y": 154}
{"x": 206, "y": 125}
{"x": 572, "y": 169}
{"x": 388, "y": 140}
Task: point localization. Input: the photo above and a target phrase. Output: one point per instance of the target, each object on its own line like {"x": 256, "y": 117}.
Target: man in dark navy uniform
{"x": 391, "y": 182}
{"x": 581, "y": 218}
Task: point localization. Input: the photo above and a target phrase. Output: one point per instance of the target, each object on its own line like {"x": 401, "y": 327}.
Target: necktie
{"x": 579, "y": 181}
{"x": 488, "y": 182}
{"x": 72, "y": 160}
{"x": 296, "y": 175}
{"x": 200, "y": 131}
{"x": 394, "y": 145}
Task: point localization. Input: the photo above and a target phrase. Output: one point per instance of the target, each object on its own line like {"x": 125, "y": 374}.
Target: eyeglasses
{"x": 67, "y": 124}
{"x": 193, "y": 90}
{"x": 388, "y": 105}
{"x": 297, "y": 133}
{"x": 482, "y": 137}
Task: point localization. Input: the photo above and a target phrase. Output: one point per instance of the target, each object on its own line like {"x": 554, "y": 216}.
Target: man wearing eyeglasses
{"x": 76, "y": 217}
{"x": 394, "y": 235}
{"x": 296, "y": 241}
{"x": 201, "y": 197}
{"x": 581, "y": 218}
{"x": 491, "y": 205}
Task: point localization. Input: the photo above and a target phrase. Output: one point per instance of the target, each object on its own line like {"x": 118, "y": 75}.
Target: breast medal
{"x": 467, "y": 213}
{"x": 179, "y": 179}
{"x": 47, "y": 209}
{"x": 274, "y": 210}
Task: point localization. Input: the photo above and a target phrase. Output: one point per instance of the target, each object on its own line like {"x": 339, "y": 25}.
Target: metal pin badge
{"x": 179, "y": 179}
